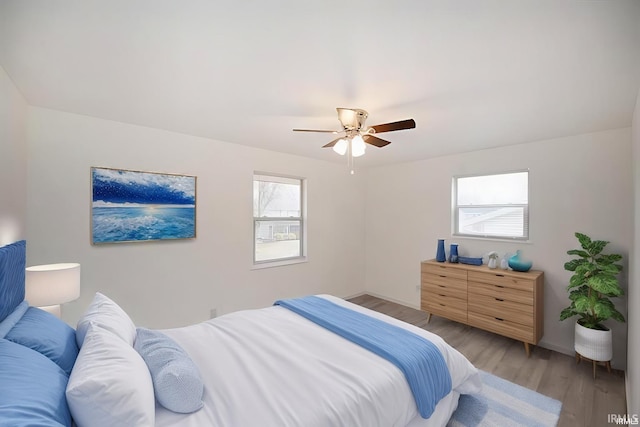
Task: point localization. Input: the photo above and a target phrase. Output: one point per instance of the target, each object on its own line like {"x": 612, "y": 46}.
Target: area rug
{"x": 505, "y": 404}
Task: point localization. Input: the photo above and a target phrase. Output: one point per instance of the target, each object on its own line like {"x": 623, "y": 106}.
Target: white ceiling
{"x": 472, "y": 73}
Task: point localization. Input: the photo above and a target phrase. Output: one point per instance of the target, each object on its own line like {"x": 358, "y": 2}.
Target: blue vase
{"x": 453, "y": 253}
{"x": 440, "y": 255}
{"x": 518, "y": 264}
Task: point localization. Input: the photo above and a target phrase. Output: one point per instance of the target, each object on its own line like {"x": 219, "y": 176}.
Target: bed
{"x": 264, "y": 367}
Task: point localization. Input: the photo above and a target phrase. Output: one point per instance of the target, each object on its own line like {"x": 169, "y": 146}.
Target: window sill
{"x": 491, "y": 239}
{"x": 270, "y": 264}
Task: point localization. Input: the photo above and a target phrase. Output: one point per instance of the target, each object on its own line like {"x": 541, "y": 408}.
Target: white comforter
{"x": 273, "y": 368}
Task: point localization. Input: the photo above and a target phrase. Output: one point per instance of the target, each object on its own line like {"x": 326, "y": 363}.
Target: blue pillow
{"x": 33, "y": 389}
{"x": 48, "y": 335}
{"x": 11, "y": 320}
{"x": 12, "y": 265}
{"x": 177, "y": 383}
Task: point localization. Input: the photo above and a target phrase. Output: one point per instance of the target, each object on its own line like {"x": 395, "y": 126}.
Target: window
{"x": 492, "y": 206}
{"x": 278, "y": 218}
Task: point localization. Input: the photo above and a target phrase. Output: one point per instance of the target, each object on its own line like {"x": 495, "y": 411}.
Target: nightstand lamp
{"x": 48, "y": 286}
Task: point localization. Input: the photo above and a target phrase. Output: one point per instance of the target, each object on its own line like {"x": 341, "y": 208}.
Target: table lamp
{"x": 48, "y": 286}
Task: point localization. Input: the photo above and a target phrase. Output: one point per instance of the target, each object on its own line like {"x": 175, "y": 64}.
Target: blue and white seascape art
{"x": 134, "y": 206}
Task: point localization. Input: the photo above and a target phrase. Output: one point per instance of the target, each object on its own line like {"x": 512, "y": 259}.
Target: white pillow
{"x": 110, "y": 384}
{"x": 107, "y": 314}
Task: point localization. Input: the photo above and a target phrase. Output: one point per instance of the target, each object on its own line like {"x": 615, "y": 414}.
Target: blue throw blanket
{"x": 419, "y": 359}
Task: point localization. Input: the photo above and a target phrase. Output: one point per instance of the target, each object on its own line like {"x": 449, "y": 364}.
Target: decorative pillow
{"x": 110, "y": 384}
{"x": 48, "y": 335}
{"x": 12, "y": 265}
{"x": 107, "y": 314}
{"x": 11, "y": 320}
{"x": 177, "y": 382}
{"x": 31, "y": 388}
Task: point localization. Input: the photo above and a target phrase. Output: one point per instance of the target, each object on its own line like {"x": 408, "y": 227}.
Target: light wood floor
{"x": 585, "y": 401}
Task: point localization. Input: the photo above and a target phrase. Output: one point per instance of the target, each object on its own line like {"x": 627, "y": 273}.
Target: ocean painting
{"x": 133, "y": 206}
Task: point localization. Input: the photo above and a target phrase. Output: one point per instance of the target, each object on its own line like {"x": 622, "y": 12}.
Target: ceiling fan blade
{"x": 316, "y": 130}
{"x": 332, "y": 143}
{"x": 374, "y": 140}
{"x": 389, "y": 127}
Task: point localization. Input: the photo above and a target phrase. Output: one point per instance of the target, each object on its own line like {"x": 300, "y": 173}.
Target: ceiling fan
{"x": 356, "y": 134}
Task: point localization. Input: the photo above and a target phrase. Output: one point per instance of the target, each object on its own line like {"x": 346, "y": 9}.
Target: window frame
{"x": 455, "y": 209}
{"x": 274, "y": 262}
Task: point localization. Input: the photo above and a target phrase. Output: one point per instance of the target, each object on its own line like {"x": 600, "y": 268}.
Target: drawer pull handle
{"x": 499, "y": 286}
{"x": 441, "y": 275}
{"x": 442, "y": 305}
{"x": 497, "y": 318}
{"x": 500, "y": 275}
{"x": 441, "y": 286}
{"x": 499, "y": 299}
{"x": 443, "y": 296}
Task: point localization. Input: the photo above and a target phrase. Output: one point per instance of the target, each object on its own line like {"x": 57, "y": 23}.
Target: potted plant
{"x": 593, "y": 283}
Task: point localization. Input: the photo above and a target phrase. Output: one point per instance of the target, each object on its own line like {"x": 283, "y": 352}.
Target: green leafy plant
{"x": 593, "y": 282}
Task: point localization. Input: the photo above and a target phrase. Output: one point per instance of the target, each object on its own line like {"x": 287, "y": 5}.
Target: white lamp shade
{"x": 340, "y": 147}
{"x": 52, "y": 284}
{"x": 357, "y": 146}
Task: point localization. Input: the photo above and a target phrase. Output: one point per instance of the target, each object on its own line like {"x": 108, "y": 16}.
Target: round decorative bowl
{"x": 518, "y": 264}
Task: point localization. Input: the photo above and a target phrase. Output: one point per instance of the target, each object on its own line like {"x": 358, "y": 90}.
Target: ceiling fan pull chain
{"x": 350, "y": 160}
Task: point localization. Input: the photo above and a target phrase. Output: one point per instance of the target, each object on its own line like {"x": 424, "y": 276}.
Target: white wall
{"x": 165, "y": 284}
{"x": 580, "y": 183}
{"x": 13, "y": 162}
{"x": 633, "y": 355}
{"x": 407, "y": 209}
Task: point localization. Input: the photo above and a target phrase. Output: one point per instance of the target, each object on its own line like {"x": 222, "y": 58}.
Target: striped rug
{"x": 505, "y": 404}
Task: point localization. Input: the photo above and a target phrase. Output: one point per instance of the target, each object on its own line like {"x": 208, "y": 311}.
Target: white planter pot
{"x": 593, "y": 344}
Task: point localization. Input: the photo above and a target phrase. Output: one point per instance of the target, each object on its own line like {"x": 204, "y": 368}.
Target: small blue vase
{"x": 453, "y": 253}
{"x": 518, "y": 264}
{"x": 440, "y": 255}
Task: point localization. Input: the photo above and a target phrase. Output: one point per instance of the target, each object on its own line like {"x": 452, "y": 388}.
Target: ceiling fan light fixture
{"x": 358, "y": 146}
{"x": 341, "y": 147}
{"x": 357, "y": 135}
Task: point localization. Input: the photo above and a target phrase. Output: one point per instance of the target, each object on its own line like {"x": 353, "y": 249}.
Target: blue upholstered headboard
{"x": 12, "y": 265}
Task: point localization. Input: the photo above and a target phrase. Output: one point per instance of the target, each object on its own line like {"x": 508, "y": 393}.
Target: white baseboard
{"x": 558, "y": 349}
{"x": 384, "y": 297}
{"x": 359, "y": 294}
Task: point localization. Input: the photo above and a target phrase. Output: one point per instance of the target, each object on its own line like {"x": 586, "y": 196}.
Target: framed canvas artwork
{"x": 135, "y": 206}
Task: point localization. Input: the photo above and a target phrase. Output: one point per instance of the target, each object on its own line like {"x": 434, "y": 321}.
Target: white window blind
{"x": 492, "y": 206}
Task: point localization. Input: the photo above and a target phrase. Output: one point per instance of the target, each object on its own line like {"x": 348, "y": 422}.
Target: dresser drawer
{"x": 505, "y": 279}
{"x": 449, "y": 307}
{"x": 447, "y": 282}
{"x": 445, "y": 270}
{"x": 502, "y": 327}
{"x": 502, "y": 309}
{"x": 429, "y": 288}
{"x": 522, "y": 296}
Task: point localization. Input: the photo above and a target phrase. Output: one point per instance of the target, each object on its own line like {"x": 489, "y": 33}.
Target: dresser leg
{"x": 527, "y": 349}
{"x": 428, "y": 317}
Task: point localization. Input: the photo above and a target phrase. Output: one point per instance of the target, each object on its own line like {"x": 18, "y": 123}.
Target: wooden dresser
{"x": 505, "y": 302}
